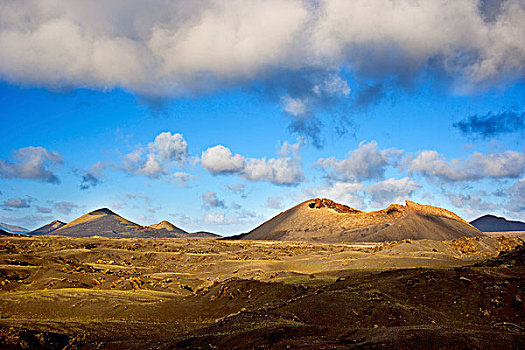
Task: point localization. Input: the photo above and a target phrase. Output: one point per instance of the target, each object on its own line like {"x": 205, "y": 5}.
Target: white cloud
{"x": 471, "y": 201}
{"x": 32, "y": 163}
{"x": 280, "y": 171}
{"x": 210, "y": 200}
{"x": 218, "y": 218}
{"x": 392, "y": 190}
{"x": 220, "y": 160}
{"x": 165, "y": 151}
{"x": 166, "y": 50}
{"x": 294, "y": 106}
{"x": 431, "y": 164}
{"x": 516, "y": 201}
{"x": 334, "y": 85}
{"x": 342, "y": 192}
{"x": 365, "y": 163}
{"x": 293, "y": 149}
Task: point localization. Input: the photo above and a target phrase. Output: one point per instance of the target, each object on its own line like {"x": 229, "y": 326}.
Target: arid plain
{"x": 86, "y": 293}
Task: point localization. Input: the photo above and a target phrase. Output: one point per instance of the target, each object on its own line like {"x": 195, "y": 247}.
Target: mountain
{"x": 105, "y": 223}
{"x": 13, "y": 228}
{"x": 52, "y": 226}
{"x": 6, "y": 233}
{"x": 102, "y": 222}
{"x": 491, "y": 223}
{"x": 322, "y": 220}
{"x": 168, "y": 226}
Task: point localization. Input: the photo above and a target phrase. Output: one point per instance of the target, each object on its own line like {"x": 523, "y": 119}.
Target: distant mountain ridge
{"x": 6, "y": 233}
{"x": 492, "y": 223}
{"x": 106, "y": 223}
{"x": 13, "y": 228}
{"x": 323, "y": 220}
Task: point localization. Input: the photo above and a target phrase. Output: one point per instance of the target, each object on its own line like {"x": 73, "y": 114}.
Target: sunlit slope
{"x": 323, "y": 220}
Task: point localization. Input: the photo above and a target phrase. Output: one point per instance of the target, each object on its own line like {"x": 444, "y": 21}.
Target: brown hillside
{"x": 168, "y": 226}
{"x": 52, "y": 226}
{"x": 322, "y": 220}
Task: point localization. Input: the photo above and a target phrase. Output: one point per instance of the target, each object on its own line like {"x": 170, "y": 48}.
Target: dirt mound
{"x": 52, "y": 226}
{"x": 322, "y": 220}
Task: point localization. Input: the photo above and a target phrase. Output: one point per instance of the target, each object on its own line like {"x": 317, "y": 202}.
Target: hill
{"x": 322, "y": 220}
{"x": 491, "y": 223}
{"x": 204, "y": 234}
{"x": 6, "y": 233}
{"x": 105, "y": 223}
{"x": 52, "y": 226}
{"x": 101, "y": 222}
{"x": 13, "y": 228}
{"x": 167, "y": 226}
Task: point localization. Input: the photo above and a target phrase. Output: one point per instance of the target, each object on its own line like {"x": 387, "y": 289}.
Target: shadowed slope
{"x": 5, "y": 233}
{"x": 13, "y": 228}
{"x": 491, "y": 223}
{"x": 105, "y": 223}
{"x": 52, "y": 226}
{"x": 101, "y": 222}
{"x": 322, "y": 220}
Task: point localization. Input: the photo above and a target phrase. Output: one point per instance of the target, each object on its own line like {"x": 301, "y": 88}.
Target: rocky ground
{"x": 85, "y": 293}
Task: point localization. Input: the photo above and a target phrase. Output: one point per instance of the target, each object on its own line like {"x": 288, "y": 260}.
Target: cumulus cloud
{"x": 220, "y": 160}
{"x": 293, "y": 149}
{"x": 493, "y": 124}
{"x": 35, "y": 163}
{"x": 17, "y": 203}
{"x": 217, "y": 218}
{"x": 364, "y": 163}
{"x": 65, "y": 208}
{"x": 280, "y": 171}
{"x": 471, "y": 201}
{"x": 166, "y": 50}
{"x": 392, "y": 190}
{"x": 346, "y": 193}
{"x": 210, "y": 200}
{"x": 163, "y": 152}
{"x": 516, "y": 194}
{"x": 431, "y": 164}
{"x": 294, "y": 106}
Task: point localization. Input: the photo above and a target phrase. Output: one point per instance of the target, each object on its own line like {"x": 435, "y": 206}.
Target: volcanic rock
{"x": 322, "y": 220}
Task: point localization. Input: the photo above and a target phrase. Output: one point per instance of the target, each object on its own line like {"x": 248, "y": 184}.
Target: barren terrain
{"x": 60, "y": 292}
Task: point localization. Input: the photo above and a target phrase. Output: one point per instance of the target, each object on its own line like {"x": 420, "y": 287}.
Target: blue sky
{"x": 218, "y": 115}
